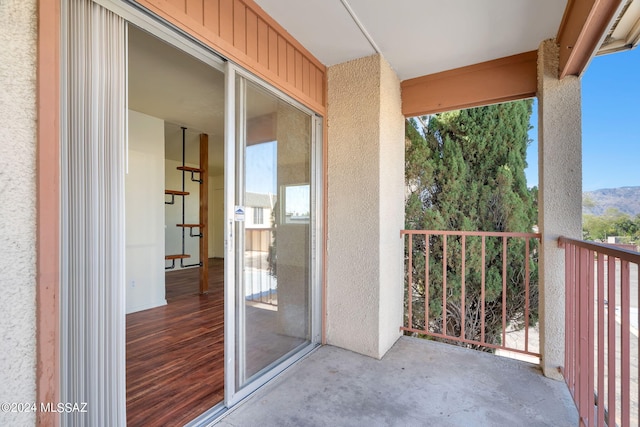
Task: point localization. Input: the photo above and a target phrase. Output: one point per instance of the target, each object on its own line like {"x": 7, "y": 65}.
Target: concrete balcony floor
{"x": 417, "y": 383}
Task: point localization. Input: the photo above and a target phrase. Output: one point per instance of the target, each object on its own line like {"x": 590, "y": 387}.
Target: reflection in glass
{"x": 273, "y": 311}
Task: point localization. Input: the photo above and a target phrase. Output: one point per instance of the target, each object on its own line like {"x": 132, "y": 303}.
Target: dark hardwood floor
{"x": 175, "y": 353}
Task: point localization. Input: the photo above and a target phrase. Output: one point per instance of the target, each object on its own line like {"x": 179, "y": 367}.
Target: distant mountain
{"x": 625, "y": 199}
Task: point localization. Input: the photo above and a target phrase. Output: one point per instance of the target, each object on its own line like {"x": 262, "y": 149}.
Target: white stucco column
{"x": 18, "y": 115}
{"x": 365, "y": 206}
{"x": 559, "y": 197}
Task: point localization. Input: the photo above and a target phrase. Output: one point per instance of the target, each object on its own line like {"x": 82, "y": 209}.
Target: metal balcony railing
{"x": 601, "y": 332}
{"x": 472, "y": 288}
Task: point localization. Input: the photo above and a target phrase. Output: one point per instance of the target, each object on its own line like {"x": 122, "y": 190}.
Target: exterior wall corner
{"x": 365, "y": 192}
{"x": 559, "y": 197}
{"x": 18, "y": 227}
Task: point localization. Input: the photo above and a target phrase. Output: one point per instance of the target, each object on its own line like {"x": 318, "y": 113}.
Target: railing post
{"x": 601, "y": 385}
{"x": 504, "y": 290}
{"x": 611, "y": 347}
{"x": 462, "y": 290}
{"x": 625, "y": 349}
{"x": 482, "y": 285}
{"x": 526, "y": 295}
{"x": 444, "y": 284}
{"x": 587, "y": 370}
{"x": 451, "y": 267}
{"x": 410, "y": 282}
{"x": 426, "y": 282}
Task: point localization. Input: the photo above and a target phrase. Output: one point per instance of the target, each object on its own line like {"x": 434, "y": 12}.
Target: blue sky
{"x": 610, "y": 124}
{"x": 260, "y": 168}
{"x": 261, "y": 177}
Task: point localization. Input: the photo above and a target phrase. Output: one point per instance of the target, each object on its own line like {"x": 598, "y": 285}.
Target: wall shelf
{"x": 189, "y": 169}
{"x": 191, "y": 227}
{"x": 179, "y": 256}
{"x": 173, "y": 259}
{"x": 203, "y": 263}
{"x": 193, "y": 171}
{"x": 173, "y": 194}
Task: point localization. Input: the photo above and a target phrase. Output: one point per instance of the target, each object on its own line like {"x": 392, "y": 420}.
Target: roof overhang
{"x": 460, "y": 54}
{"x": 625, "y": 32}
{"x": 584, "y": 27}
{"x": 418, "y": 37}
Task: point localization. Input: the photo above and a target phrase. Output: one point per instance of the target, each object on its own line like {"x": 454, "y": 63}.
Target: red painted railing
{"x": 601, "y": 337}
{"x": 456, "y": 282}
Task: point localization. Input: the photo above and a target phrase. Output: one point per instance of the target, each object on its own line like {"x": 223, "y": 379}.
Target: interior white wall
{"x": 18, "y": 28}
{"x": 173, "y": 214}
{"x": 144, "y": 207}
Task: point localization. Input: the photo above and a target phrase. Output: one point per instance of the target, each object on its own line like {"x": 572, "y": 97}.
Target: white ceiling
{"x": 169, "y": 84}
{"x": 418, "y": 37}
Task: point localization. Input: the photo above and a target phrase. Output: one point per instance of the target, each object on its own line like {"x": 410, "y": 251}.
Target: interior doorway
{"x": 174, "y": 209}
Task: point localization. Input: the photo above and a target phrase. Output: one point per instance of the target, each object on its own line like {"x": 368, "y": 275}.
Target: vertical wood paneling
{"x": 244, "y": 33}
{"x": 312, "y": 81}
{"x": 226, "y": 20}
{"x": 240, "y": 26}
{"x": 263, "y": 43}
{"x": 195, "y": 10}
{"x": 291, "y": 65}
{"x": 212, "y": 15}
{"x": 179, "y": 4}
{"x": 306, "y": 77}
{"x": 298, "y": 81}
{"x": 273, "y": 50}
{"x": 321, "y": 78}
{"x": 282, "y": 57}
{"x": 252, "y": 35}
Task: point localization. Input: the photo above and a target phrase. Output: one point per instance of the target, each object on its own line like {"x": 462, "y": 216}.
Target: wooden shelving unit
{"x": 203, "y": 263}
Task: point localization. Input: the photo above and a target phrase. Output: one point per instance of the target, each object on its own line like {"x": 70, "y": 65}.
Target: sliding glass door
{"x": 274, "y": 219}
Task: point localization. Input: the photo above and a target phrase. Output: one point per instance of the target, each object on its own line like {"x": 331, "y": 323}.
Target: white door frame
{"x": 143, "y": 19}
{"x": 234, "y": 135}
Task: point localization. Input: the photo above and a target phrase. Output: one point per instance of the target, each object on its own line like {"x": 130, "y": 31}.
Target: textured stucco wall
{"x": 18, "y": 206}
{"x": 365, "y": 200}
{"x": 293, "y": 240}
{"x": 560, "y": 196}
{"x": 391, "y": 178}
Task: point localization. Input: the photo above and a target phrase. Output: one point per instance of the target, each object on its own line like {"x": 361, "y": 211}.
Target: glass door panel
{"x": 274, "y": 231}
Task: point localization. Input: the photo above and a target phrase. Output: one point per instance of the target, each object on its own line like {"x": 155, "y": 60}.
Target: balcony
{"x": 423, "y": 382}
{"x": 418, "y": 382}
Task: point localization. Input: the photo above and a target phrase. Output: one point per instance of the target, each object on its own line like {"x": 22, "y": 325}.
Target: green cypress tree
{"x": 464, "y": 170}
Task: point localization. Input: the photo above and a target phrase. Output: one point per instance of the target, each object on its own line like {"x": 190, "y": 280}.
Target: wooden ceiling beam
{"x": 583, "y": 27}
{"x": 501, "y": 80}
